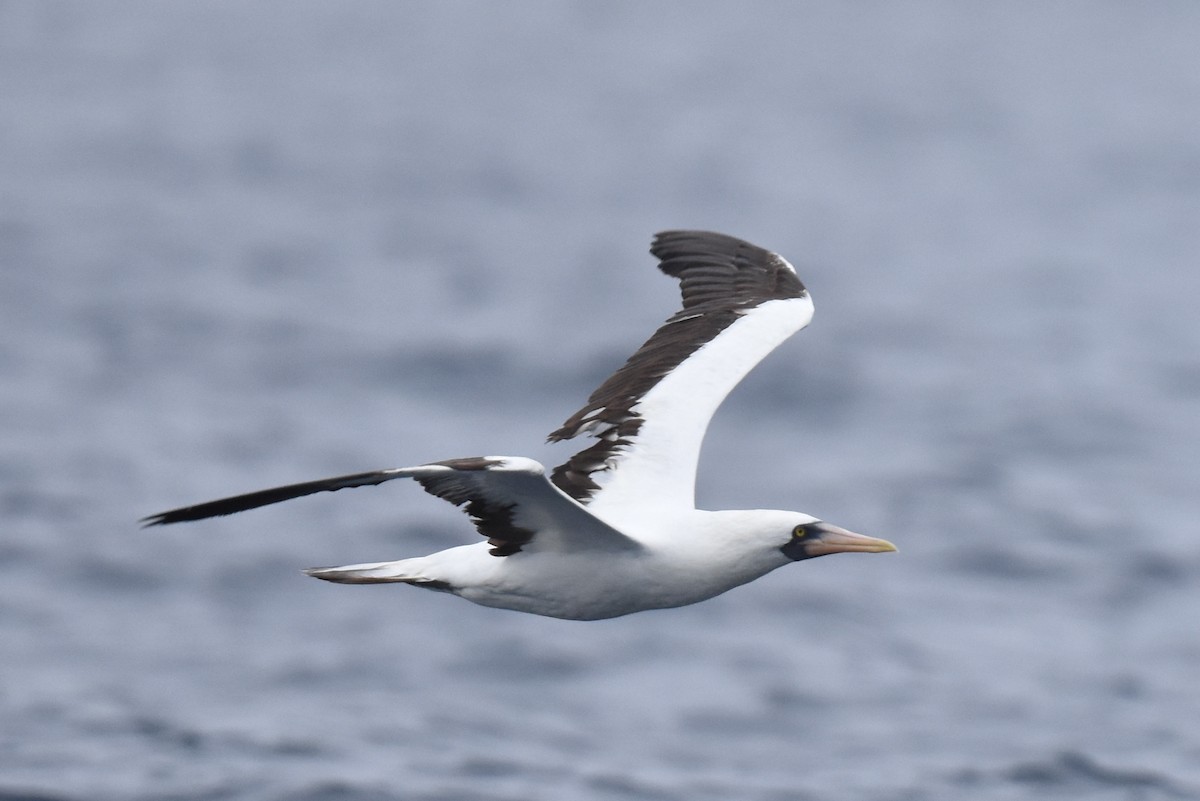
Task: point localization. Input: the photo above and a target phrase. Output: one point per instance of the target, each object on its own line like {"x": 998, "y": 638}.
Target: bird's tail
{"x": 404, "y": 571}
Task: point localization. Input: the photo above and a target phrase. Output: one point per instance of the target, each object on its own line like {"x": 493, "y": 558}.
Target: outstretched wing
{"x": 739, "y": 303}
{"x": 508, "y": 498}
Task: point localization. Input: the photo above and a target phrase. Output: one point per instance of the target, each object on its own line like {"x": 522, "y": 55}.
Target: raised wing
{"x": 739, "y": 303}
{"x": 508, "y": 498}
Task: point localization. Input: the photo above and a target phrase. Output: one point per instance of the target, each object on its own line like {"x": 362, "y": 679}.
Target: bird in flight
{"x": 614, "y": 529}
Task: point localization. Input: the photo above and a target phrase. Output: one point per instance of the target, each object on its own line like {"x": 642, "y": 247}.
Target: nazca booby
{"x": 614, "y": 529}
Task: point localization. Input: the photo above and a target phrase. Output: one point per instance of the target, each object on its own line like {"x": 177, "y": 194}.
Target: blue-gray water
{"x": 244, "y": 244}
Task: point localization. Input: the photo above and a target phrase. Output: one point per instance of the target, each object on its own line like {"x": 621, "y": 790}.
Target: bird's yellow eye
{"x": 799, "y": 532}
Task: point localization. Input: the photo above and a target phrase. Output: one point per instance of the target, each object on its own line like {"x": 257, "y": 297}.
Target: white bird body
{"x": 706, "y": 556}
{"x": 614, "y": 530}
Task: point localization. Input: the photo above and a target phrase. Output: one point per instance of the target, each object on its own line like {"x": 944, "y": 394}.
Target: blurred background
{"x": 246, "y": 244}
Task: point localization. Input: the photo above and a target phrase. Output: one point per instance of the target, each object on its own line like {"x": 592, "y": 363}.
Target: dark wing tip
{"x": 200, "y": 511}
{"x": 682, "y": 241}
{"x": 253, "y": 500}
{"x": 686, "y": 243}
{"x": 219, "y": 508}
{"x": 719, "y": 269}
{"x": 160, "y": 519}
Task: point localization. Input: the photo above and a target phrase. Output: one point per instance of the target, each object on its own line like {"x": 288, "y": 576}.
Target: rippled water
{"x": 249, "y": 244}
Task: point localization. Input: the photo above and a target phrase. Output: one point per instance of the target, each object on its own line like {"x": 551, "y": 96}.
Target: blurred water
{"x": 248, "y": 244}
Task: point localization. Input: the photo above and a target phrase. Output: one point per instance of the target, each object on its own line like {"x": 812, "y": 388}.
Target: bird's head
{"x": 732, "y": 547}
{"x": 809, "y": 537}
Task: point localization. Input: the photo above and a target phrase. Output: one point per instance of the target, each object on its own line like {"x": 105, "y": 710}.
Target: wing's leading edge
{"x": 509, "y": 499}
{"x": 739, "y": 303}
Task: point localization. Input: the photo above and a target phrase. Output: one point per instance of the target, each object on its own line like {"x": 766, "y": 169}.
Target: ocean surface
{"x": 247, "y": 244}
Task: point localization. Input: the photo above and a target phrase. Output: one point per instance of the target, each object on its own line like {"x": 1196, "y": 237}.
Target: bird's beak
{"x": 834, "y": 539}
